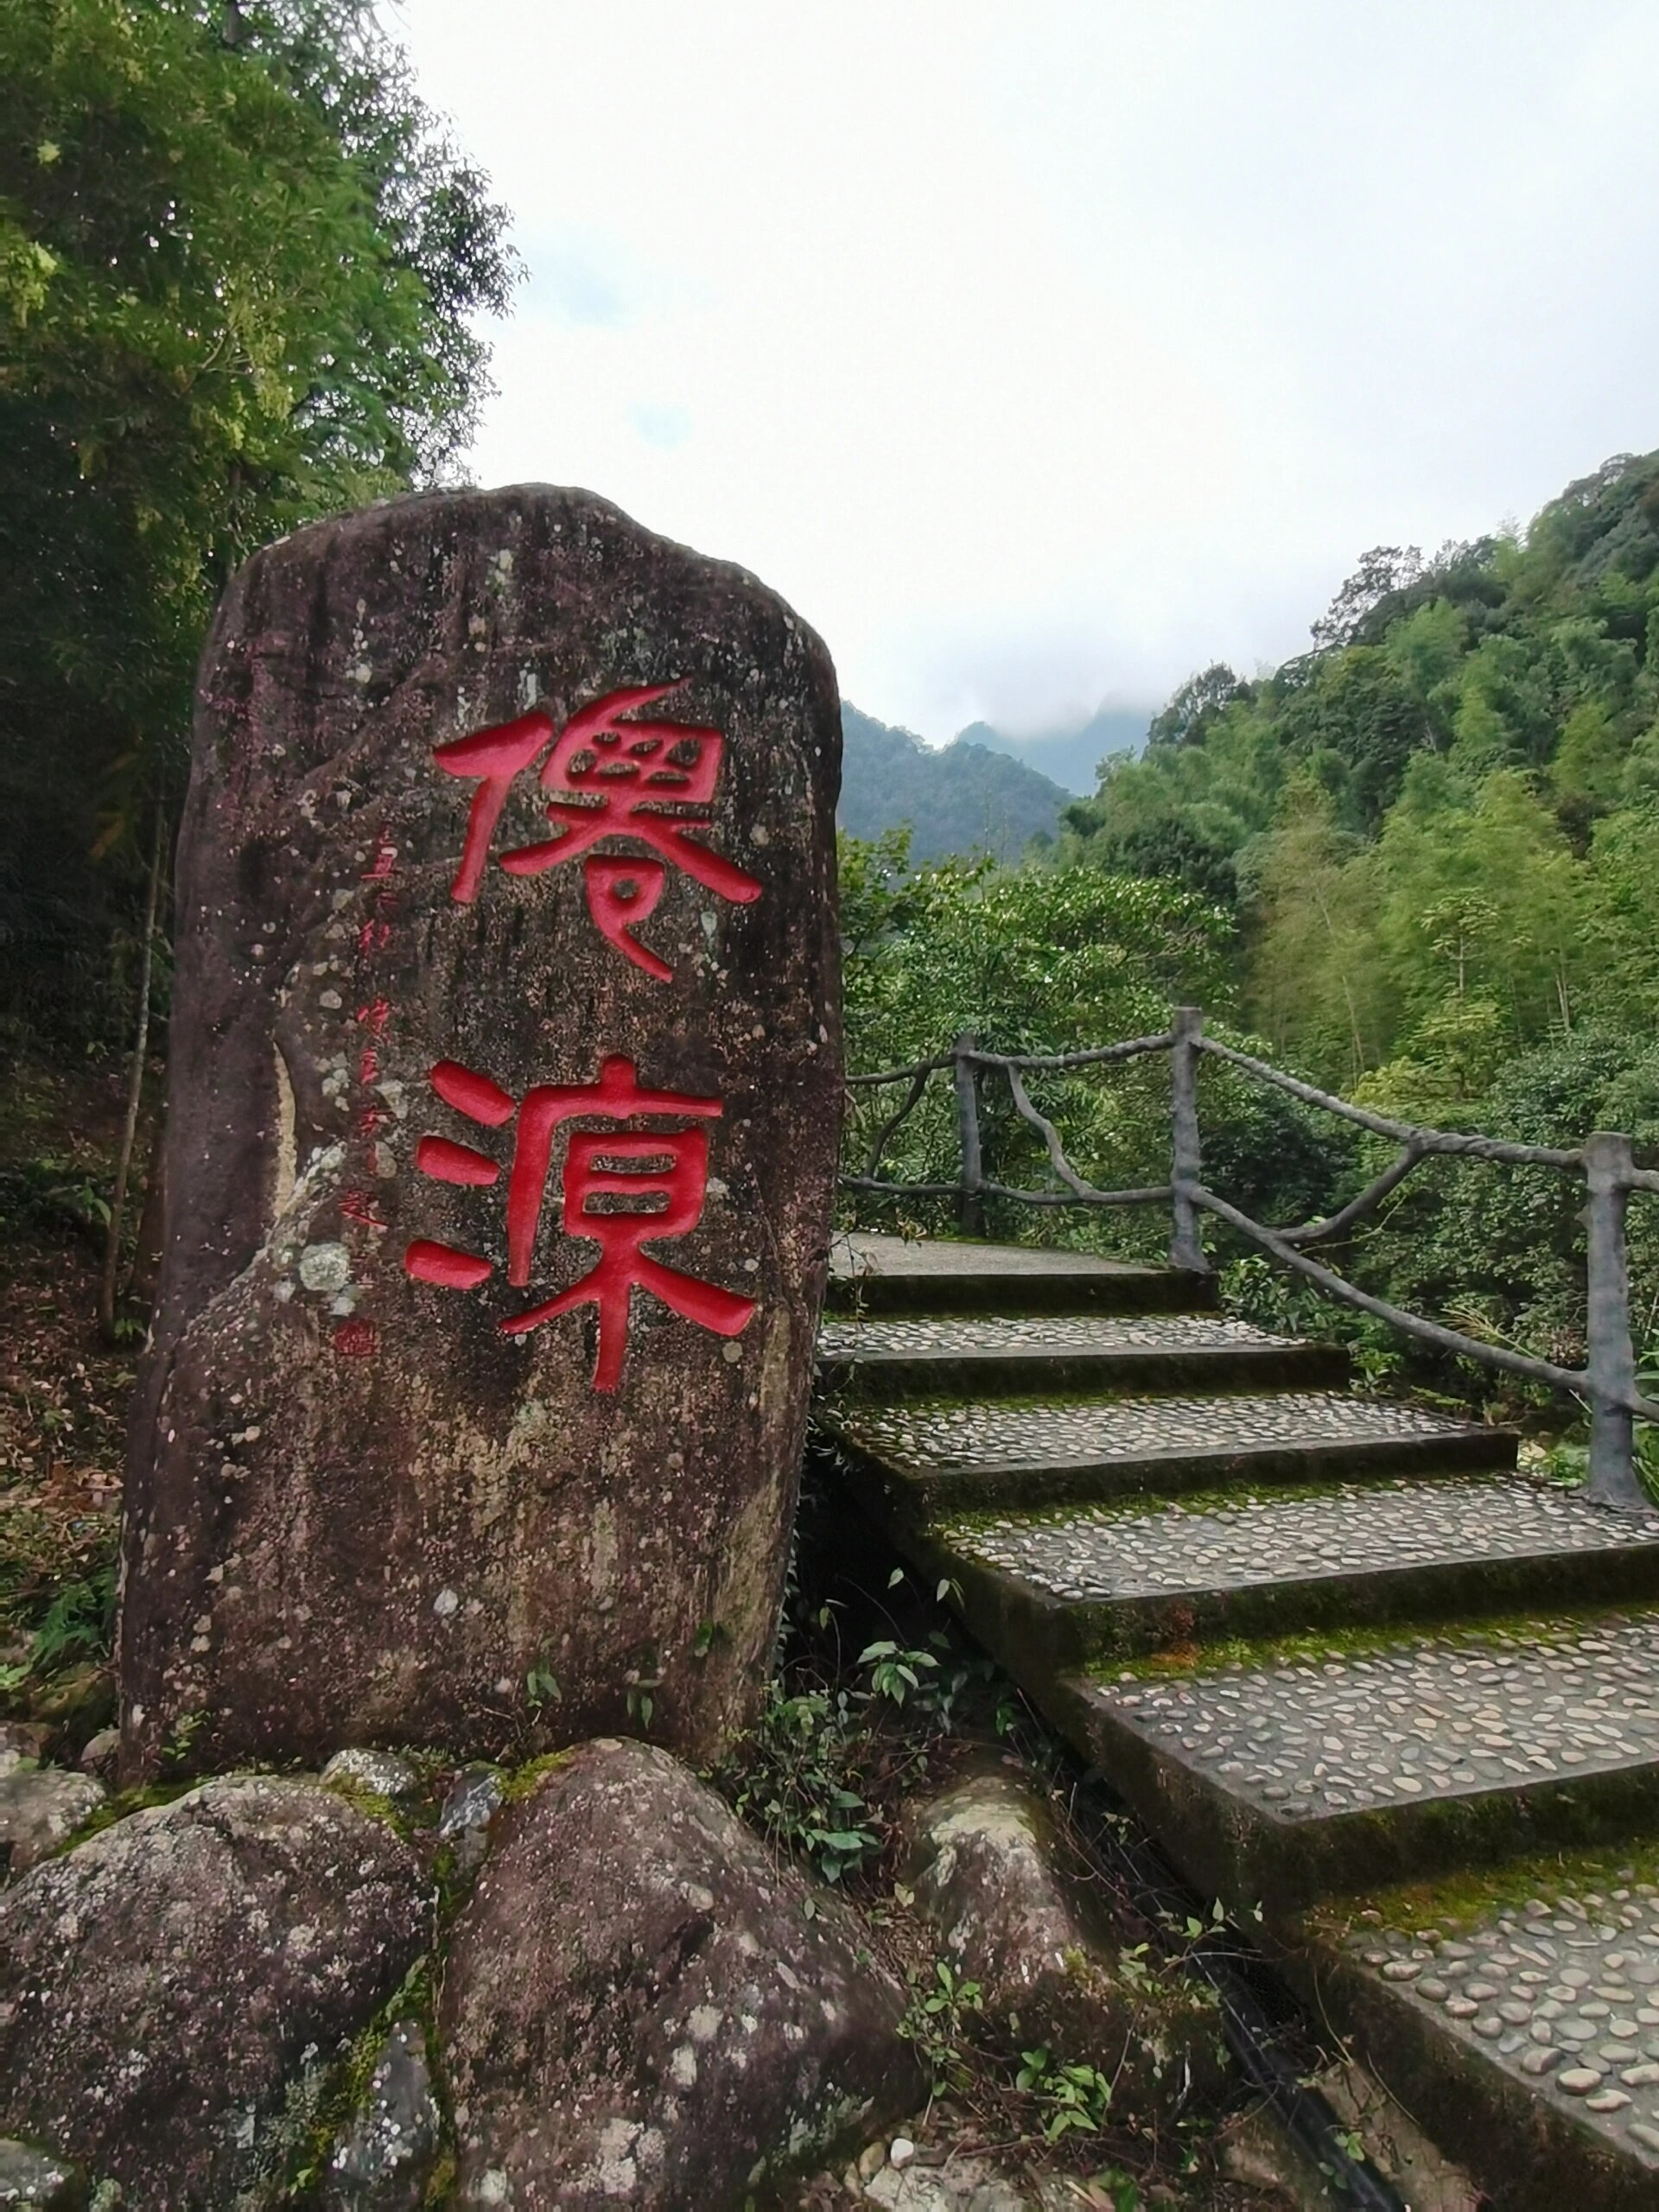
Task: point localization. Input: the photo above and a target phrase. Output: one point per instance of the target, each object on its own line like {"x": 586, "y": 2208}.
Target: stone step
{"x": 871, "y": 1274}
{"x": 1100, "y": 1581}
{"x": 992, "y": 1355}
{"x": 1516, "y": 2017}
{"x": 944, "y": 1455}
{"x": 1359, "y": 1759}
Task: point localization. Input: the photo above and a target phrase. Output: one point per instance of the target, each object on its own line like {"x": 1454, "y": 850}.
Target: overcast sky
{"x": 1041, "y": 352}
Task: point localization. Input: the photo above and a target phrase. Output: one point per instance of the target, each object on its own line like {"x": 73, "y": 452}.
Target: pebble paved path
{"x": 973, "y": 1335}
{"x": 1428, "y": 1715}
{"x": 942, "y": 1433}
{"x": 1333, "y": 1747}
{"x": 1561, "y": 1990}
{"x": 1104, "y": 1551}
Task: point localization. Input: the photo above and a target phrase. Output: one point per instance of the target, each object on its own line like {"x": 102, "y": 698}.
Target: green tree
{"x": 1317, "y": 990}
{"x": 239, "y": 260}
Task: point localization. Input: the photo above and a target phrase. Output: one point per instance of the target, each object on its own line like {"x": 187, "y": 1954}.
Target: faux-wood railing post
{"x": 1186, "y": 1159}
{"x": 1611, "y": 1363}
{"x": 970, "y": 1206}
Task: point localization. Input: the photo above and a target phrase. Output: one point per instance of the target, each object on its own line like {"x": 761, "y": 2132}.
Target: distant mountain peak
{"x": 1069, "y": 757}
{"x": 966, "y": 796}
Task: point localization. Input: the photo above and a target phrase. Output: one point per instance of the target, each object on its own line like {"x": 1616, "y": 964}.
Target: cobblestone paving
{"x": 972, "y": 1335}
{"x": 1105, "y": 1552}
{"x": 861, "y": 1252}
{"x": 1561, "y": 1990}
{"x": 946, "y": 1432}
{"x": 1429, "y": 1716}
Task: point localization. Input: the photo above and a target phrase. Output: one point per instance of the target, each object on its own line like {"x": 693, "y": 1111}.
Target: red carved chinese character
{"x": 661, "y": 1178}
{"x": 357, "y": 1340}
{"x": 368, "y": 1066}
{"x": 373, "y": 936}
{"x": 650, "y": 781}
{"x": 374, "y": 1016}
{"x": 358, "y": 1206}
{"x": 386, "y": 855}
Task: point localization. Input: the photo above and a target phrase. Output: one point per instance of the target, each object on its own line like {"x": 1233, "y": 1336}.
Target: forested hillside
{"x": 1419, "y": 865}
{"x": 1437, "y": 832}
{"x": 961, "y": 797}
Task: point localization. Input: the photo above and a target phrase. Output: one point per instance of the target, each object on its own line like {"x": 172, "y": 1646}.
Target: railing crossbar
{"x": 1607, "y": 1384}
{"x": 1154, "y": 1194}
{"x": 890, "y": 1128}
{"x": 1131, "y": 1048}
{"x": 903, "y": 1075}
{"x": 901, "y": 1189}
{"x": 1050, "y": 1135}
{"x": 1321, "y": 1232}
{"x": 1452, "y": 1142}
{"x": 1517, "y": 1362}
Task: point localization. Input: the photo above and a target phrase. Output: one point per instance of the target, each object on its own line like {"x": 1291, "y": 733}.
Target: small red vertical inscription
{"x": 624, "y": 1187}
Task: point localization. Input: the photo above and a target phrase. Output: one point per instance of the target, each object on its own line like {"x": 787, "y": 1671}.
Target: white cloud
{"x": 1040, "y": 352}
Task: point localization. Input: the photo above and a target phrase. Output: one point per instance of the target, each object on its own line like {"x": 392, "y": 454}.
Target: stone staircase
{"x": 1365, "y": 1680}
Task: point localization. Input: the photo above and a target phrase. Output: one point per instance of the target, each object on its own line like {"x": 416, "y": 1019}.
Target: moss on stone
{"x": 525, "y": 1781}
{"x": 334, "y": 2096}
{"x": 1142, "y": 1505}
{"x": 1210, "y": 1655}
{"x": 120, "y": 1807}
{"x": 1472, "y": 1895}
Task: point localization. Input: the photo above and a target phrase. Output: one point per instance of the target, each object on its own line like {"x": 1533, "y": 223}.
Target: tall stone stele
{"x": 503, "y": 1101}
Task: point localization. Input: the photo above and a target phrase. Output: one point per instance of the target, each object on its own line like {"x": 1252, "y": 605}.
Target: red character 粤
{"x": 650, "y": 781}
{"x": 659, "y": 1177}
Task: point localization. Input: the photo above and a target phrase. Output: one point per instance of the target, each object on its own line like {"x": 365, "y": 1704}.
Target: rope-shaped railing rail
{"x": 1608, "y": 1380}
{"x": 1454, "y": 1141}
{"x": 1574, "y": 1379}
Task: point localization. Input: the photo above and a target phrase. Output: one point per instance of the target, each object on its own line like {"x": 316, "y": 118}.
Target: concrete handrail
{"x": 1607, "y": 1382}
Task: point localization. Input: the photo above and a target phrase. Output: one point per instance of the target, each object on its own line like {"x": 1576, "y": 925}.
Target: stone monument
{"x": 503, "y": 1103}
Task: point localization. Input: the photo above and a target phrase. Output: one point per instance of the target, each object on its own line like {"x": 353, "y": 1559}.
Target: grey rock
{"x": 383, "y": 1773}
{"x": 35, "y": 2180}
{"x": 1578, "y": 2081}
{"x": 473, "y": 1800}
{"x": 21, "y": 1742}
{"x": 989, "y": 1869}
{"x": 382, "y": 2163}
{"x": 637, "y": 2003}
{"x": 961, "y": 2184}
{"x": 99, "y": 1753}
{"x": 182, "y": 1976}
{"x": 40, "y": 1808}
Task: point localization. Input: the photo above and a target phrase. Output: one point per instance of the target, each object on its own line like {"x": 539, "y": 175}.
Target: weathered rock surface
{"x": 21, "y": 1740}
{"x": 386, "y": 2157}
{"x": 963, "y": 2183}
{"x": 380, "y": 1774}
{"x": 99, "y": 1752}
{"x": 474, "y": 1798}
{"x": 637, "y": 2009}
{"x": 378, "y": 1486}
{"x": 988, "y": 1868}
{"x": 33, "y": 2179}
{"x": 165, "y": 1987}
{"x": 40, "y": 1808}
